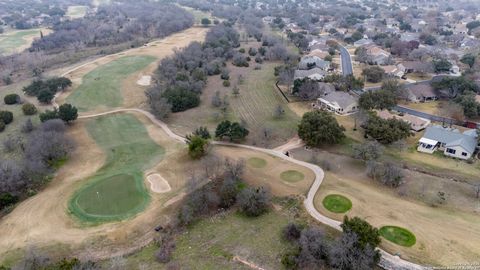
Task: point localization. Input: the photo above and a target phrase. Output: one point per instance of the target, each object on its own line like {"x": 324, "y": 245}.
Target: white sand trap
{"x": 145, "y": 80}
{"x": 158, "y": 184}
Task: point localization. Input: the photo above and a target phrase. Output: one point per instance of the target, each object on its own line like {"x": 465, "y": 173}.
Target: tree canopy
{"x": 319, "y": 128}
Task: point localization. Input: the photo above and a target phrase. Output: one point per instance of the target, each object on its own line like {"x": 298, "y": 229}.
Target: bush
{"x": 226, "y": 83}
{"x": 292, "y": 232}
{"x": 254, "y": 201}
{"x": 6, "y": 117}
{"x": 181, "y": 100}
{"x": 258, "y": 59}
{"x": 197, "y": 146}
{"x": 242, "y": 50}
{"x": 27, "y": 127}
{"x": 29, "y": 109}
{"x": 11, "y": 99}
{"x": 7, "y": 199}
{"x": 252, "y": 51}
{"x": 2, "y": 126}
{"x": 49, "y": 115}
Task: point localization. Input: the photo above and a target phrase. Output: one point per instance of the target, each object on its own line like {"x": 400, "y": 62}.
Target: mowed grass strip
{"x": 117, "y": 190}
{"x": 257, "y": 163}
{"x": 292, "y": 176}
{"x": 10, "y": 42}
{"x": 337, "y": 203}
{"x": 398, "y": 235}
{"x": 102, "y": 86}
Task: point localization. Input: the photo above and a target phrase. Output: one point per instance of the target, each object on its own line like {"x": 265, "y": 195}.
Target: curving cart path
{"x": 388, "y": 261}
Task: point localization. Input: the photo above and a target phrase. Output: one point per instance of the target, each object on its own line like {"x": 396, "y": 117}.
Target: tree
{"x": 6, "y": 117}
{"x": 307, "y": 89}
{"x": 49, "y": 115}
{"x": 386, "y": 131}
{"x": 45, "y": 96}
{"x": 472, "y": 25}
{"x": 319, "y": 128}
{"x": 373, "y": 74}
{"x": 234, "y": 131}
{"x": 292, "y": 232}
{"x": 370, "y": 150}
{"x": 468, "y": 59}
{"x": 441, "y": 65}
{"x": 29, "y": 109}
{"x": 254, "y": 201}
{"x": 202, "y": 132}
{"x": 67, "y": 112}
{"x": 380, "y": 100}
{"x": 181, "y": 100}
{"x": 197, "y": 146}
{"x": 347, "y": 253}
{"x": 366, "y": 233}
{"x": 314, "y": 249}
{"x": 11, "y": 99}
{"x": 206, "y": 21}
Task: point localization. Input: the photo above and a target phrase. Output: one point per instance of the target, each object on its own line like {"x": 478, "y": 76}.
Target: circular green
{"x": 256, "y": 162}
{"x": 398, "y": 235}
{"x": 110, "y": 198}
{"x": 292, "y": 176}
{"x": 337, "y": 203}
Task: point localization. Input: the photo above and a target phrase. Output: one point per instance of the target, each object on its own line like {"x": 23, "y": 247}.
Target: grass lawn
{"x": 292, "y": 176}
{"x": 398, "y": 235}
{"x": 212, "y": 243}
{"x": 102, "y": 86}
{"x": 198, "y": 14}
{"x": 11, "y": 42}
{"x": 75, "y": 12}
{"x": 337, "y": 203}
{"x": 256, "y": 162}
{"x": 117, "y": 190}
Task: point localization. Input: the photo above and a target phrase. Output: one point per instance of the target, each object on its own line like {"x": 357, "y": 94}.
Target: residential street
{"x": 347, "y": 68}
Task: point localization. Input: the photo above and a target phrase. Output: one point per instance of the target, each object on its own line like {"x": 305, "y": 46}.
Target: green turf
{"x": 102, "y": 86}
{"x": 257, "y": 162}
{"x": 117, "y": 190}
{"x": 337, "y": 203}
{"x": 292, "y": 176}
{"x": 9, "y": 43}
{"x": 398, "y": 235}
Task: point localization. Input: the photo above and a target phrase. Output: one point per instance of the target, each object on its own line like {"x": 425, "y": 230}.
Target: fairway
{"x": 398, "y": 235}
{"x": 337, "y": 203}
{"x": 102, "y": 86}
{"x": 16, "y": 41}
{"x": 117, "y": 190}
{"x": 292, "y": 176}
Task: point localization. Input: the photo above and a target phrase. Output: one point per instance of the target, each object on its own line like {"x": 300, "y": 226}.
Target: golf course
{"x": 16, "y": 41}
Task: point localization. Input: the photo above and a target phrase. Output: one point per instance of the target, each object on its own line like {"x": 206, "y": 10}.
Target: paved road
{"x": 347, "y": 68}
{"x": 388, "y": 261}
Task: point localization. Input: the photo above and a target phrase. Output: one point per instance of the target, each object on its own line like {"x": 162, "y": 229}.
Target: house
{"x": 394, "y": 71}
{"x": 417, "y": 66}
{"x": 309, "y": 62}
{"x": 376, "y": 55}
{"x": 362, "y": 42}
{"x": 450, "y": 141}
{"x": 319, "y": 53}
{"x": 338, "y": 102}
{"x": 314, "y": 74}
{"x": 422, "y": 92}
{"x": 416, "y": 123}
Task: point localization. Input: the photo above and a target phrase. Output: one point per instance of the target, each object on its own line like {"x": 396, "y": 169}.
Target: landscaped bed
{"x": 337, "y": 203}
{"x": 398, "y": 235}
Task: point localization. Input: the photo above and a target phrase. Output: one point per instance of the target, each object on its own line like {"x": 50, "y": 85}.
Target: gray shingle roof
{"x": 451, "y": 138}
{"x": 343, "y": 99}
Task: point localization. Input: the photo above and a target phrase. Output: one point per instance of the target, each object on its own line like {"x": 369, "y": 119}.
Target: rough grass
{"x": 129, "y": 151}
{"x": 11, "y": 42}
{"x": 398, "y": 235}
{"x": 102, "y": 86}
{"x": 257, "y": 162}
{"x": 212, "y": 243}
{"x": 337, "y": 203}
{"x": 292, "y": 176}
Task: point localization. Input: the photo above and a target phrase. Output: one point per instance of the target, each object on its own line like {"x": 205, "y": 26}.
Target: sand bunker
{"x": 145, "y": 80}
{"x": 158, "y": 184}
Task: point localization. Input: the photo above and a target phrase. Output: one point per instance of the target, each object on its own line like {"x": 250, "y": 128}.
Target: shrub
{"x": 319, "y": 128}
{"x": 259, "y": 59}
{"x": 11, "y": 99}
{"x": 242, "y": 50}
{"x": 49, "y": 115}
{"x": 6, "y": 117}
{"x": 2, "y": 126}
{"x": 225, "y": 74}
{"x": 254, "y": 201}
{"x": 197, "y": 146}
{"x": 29, "y": 109}
{"x": 7, "y": 199}
{"x": 226, "y": 83}
{"x": 181, "y": 100}
{"x": 292, "y": 232}
{"x": 27, "y": 127}
{"x": 252, "y": 51}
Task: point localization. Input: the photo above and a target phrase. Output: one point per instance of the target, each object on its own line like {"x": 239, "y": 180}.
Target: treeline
{"x": 117, "y": 23}
{"x": 44, "y": 148}
{"x": 182, "y": 77}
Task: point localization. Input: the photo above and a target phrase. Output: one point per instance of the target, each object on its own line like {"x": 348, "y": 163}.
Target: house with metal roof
{"x": 452, "y": 142}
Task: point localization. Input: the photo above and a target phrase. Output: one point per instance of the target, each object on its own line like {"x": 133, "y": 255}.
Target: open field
{"x": 255, "y": 105}
{"x": 75, "y": 12}
{"x": 414, "y": 206}
{"x": 101, "y": 87}
{"x": 117, "y": 190}
{"x": 19, "y": 40}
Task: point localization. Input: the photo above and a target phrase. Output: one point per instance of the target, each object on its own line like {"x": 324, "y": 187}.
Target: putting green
{"x": 257, "y": 162}
{"x": 292, "y": 176}
{"x": 337, "y": 203}
{"x": 117, "y": 190}
{"x": 102, "y": 86}
{"x": 398, "y": 235}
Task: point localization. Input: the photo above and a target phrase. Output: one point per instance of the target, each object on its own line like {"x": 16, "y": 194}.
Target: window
{"x": 451, "y": 151}
{"x": 464, "y": 154}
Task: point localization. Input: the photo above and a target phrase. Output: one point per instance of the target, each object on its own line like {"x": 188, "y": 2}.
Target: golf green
{"x": 337, "y": 203}
{"x": 292, "y": 176}
{"x": 398, "y": 235}
{"x": 102, "y": 86}
{"x": 117, "y": 190}
{"x": 257, "y": 162}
